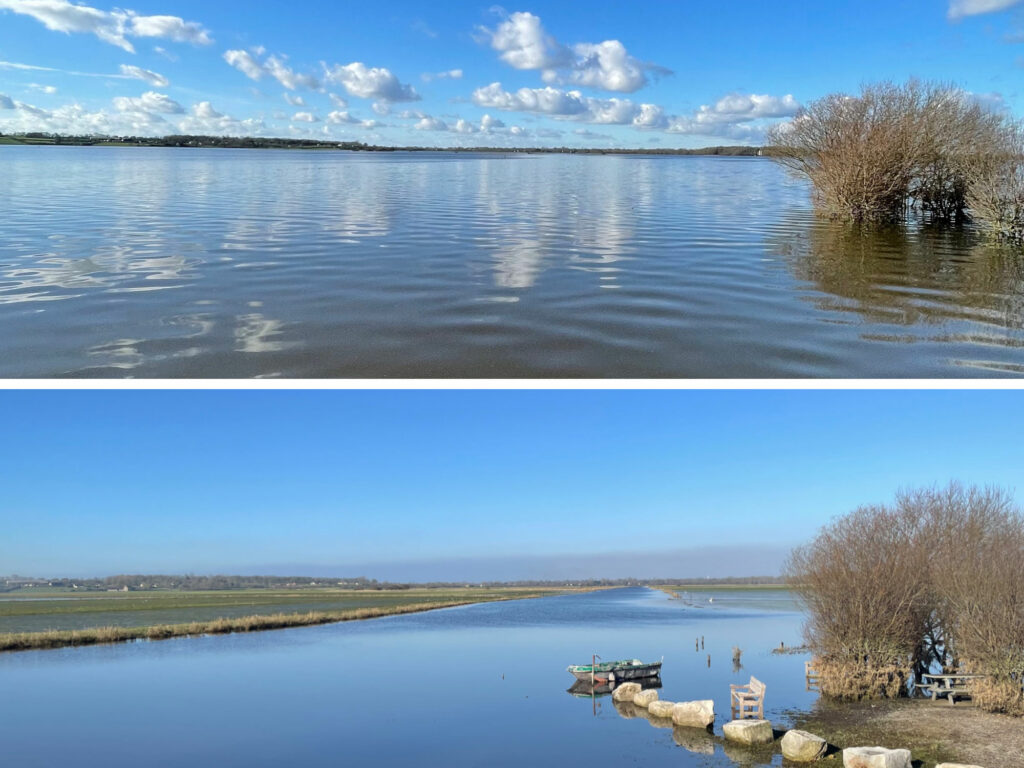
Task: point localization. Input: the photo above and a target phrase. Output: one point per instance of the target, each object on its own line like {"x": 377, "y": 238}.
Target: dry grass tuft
{"x": 27, "y": 641}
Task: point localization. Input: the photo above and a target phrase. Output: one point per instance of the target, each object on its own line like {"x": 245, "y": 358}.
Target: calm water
{"x": 222, "y": 263}
{"x": 480, "y": 685}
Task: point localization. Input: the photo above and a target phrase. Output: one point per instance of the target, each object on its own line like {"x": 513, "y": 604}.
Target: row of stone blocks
{"x": 797, "y": 746}
{"x": 696, "y": 714}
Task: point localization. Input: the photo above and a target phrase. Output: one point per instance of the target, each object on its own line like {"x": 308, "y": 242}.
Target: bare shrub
{"x": 994, "y": 185}
{"x": 934, "y": 580}
{"x": 866, "y": 590}
{"x": 874, "y": 156}
{"x": 858, "y": 152}
{"x": 977, "y": 570}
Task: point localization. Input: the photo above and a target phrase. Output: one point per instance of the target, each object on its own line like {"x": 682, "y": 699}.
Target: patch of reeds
{"x": 785, "y": 650}
{"x": 50, "y": 639}
{"x": 895, "y": 148}
{"x": 1001, "y": 694}
{"x": 850, "y": 681}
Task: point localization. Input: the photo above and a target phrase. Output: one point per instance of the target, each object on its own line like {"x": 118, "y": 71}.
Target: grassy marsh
{"x": 92, "y": 619}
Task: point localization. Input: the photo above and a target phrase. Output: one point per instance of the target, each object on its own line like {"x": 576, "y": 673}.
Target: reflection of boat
{"x": 584, "y": 689}
{"x": 615, "y": 671}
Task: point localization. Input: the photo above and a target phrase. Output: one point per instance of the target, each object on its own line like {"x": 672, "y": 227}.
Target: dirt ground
{"x": 934, "y": 732}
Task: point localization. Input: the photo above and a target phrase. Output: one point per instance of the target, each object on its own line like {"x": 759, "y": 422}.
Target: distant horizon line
{"x": 35, "y": 580}
{"x": 274, "y": 142}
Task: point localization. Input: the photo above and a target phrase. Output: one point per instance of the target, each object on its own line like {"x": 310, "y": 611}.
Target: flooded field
{"x": 235, "y": 263}
{"x": 464, "y": 686}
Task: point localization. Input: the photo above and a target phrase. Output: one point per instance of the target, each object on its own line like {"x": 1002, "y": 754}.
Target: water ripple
{"x": 207, "y": 263}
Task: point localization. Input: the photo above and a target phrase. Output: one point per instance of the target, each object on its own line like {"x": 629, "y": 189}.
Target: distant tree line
{"x": 250, "y": 142}
{"x": 190, "y": 582}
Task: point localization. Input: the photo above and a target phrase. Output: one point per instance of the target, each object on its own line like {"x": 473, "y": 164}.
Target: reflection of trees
{"x": 906, "y": 275}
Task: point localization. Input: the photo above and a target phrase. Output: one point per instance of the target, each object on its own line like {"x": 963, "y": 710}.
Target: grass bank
{"x": 934, "y": 732}
{"x": 52, "y": 639}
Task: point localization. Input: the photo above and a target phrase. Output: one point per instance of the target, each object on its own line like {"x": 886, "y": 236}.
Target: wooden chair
{"x": 748, "y": 700}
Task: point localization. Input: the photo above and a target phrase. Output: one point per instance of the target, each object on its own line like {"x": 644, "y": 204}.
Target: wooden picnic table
{"x": 948, "y": 685}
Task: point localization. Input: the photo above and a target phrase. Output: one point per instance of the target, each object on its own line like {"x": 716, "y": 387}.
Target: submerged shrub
{"x": 892, "y": 148}
{"x": 994, "y": 186}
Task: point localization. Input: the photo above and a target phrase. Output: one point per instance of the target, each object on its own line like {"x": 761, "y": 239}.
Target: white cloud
{"x": 603, "y": 65}
{"x": 958, "y": 9}
{"x": 138, "y": 73}
{"x": 736, "y": 106}
{"x": 340, "y": 117}
{"x": 169, "y": 28}
{"x": 6, "y": 102}
{"x": 47, "y": 89}
{"x": 286, "y": 76}
{"x": 245, "y": 63}
{"x": 729, "y": 117}
{"x": 205, "y": 111}
{"x": 545, "y": 101}
{"x": 75, "y": 119}
{"x": 381, "y": 108}
{"x": 523, "y": 43}
{"x": 273, "y": 66}
{"x": 152, "y": 102}
{"x": 305, "y": 117}
{"x": 488, "y": 123}
{"x": 114, "y": 27}
{"x": 337, "y": 101}
{"x": 572, "y": 105}
{"x": 431, "y": 124}
{"x": 451, "y": 74}
{"x": 370, "y": 82}
{"x": 295, "y": 101}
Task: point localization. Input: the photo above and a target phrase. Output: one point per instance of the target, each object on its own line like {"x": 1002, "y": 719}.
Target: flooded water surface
{"x": 478, "y": 685}
{"x": 243, "y": 263}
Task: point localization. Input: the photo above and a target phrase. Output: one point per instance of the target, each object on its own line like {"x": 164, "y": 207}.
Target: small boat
{"x": 615, "y": 671}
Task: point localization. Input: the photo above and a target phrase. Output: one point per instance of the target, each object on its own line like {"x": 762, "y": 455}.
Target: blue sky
{"x": 470, "y": 484}
{"x": 659, "y": 74}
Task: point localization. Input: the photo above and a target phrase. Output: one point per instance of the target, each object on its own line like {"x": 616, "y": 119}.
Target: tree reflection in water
{"x": 914, "y": 275}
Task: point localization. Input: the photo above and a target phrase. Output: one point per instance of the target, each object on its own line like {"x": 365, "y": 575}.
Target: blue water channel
{"x": 469, "y": 686}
